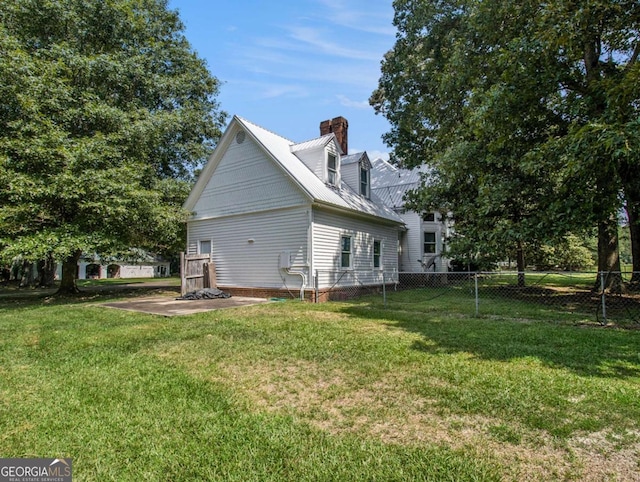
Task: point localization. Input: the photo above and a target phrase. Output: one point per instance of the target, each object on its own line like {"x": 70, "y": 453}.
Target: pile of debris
{"x": 205, "y": 294}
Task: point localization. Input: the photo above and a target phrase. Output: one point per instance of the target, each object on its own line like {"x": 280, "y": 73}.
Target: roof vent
{"x": 240, "y": 137}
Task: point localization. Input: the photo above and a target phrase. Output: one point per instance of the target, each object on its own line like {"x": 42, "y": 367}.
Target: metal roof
{"x": 391, "y": 183}
{"x": 313, "y": 143}
{"x": 343, "y": 197}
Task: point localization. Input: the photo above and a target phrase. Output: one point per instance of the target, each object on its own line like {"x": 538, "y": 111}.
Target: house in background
{"x": 280, "y": 218}
{"x": 143, "y": 265}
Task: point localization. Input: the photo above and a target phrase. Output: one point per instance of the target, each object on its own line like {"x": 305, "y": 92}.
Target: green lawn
{"x": 173, "y": 281}
{"x": 336, "y": 391}
{"x": 556, "y": 297}
{"x": 12, "y": 291}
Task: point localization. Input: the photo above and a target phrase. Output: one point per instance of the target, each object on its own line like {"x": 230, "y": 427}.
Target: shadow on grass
{"x": 589, "y": 350}
{"x": 30, "y": 297}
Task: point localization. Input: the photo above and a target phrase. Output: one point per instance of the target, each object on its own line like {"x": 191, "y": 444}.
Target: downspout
{"x": 304, "y": 280}
{"x": 310, "y": 248}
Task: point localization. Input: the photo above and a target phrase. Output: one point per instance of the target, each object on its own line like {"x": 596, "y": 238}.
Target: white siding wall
{"x": 314, "y": 159}
{"x": 411, "y": 247}
{"x": 328, "y": 227}
{"x": 413, "y": 239}
{"x": 246, "y": 248}
{"x": 128, "y": 271}
{"x": 351, "y": 175}
{"x": 246, "y": 180}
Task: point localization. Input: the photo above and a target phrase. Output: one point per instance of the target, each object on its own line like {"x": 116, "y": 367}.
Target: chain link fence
{"x": 604, "y": 297}
{"x": 349, "y": 284}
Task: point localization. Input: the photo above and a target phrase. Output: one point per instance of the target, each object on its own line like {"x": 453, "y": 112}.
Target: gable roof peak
{"x": 279, "y": 150}
{"x": 248, "y": 123}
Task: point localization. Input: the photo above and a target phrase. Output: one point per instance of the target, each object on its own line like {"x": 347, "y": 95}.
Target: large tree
{"x": 106, "y": 110}
{"x": 527, "y": 111}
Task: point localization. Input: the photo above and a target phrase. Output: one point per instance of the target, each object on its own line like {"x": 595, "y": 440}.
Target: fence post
{"x": 315, "y": 282}
{"x": 384, "y": 290}
{"x": 183, "y": 275}
{"x": 604, "y": 302}
{"x": 475, "y": 277}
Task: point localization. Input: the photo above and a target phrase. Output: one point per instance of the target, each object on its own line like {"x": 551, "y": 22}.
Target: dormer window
{"x": 364, "y": 181}
{"x": 332, "y": 170}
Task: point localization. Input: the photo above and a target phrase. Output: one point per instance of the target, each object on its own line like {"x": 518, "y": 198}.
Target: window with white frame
{"x": 429, "y": 217}
{"x": 429, "y": 243}
{"x": 332, "y": 170}
{"x": 345, "y": 252}
{"x": 364, "y": 181}
{"x": 205, "y": 246}
{"x": 377, "y": 253}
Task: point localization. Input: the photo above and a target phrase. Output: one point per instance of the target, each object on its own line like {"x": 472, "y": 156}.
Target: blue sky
{"x": 287, "y": 66}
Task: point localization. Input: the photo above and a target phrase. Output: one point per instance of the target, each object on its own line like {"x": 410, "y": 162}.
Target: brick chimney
{"x": 339, "y": 126}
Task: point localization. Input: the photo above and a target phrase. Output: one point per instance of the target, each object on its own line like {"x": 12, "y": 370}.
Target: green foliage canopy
{"x": 106, "y": 110}
{"x": 527, "y": 113}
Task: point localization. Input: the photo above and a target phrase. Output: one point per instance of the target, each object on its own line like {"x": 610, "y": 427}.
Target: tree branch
{"x": 635, "y": 55}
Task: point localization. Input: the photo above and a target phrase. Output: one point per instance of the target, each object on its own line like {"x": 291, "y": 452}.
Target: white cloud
{"x": 270, "y": 91}
{"x": 345, "y": 101}
{"x": 257, "y": 90}
{"x": 271, "y": 59}
{"x": 317, "y": 39}
{"x": 332, "y": 48}
{"x": 378, "y": 155}
{"x": 367, "y": 18}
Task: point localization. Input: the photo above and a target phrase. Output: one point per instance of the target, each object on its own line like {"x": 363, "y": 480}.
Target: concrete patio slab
{"x": 165, "y": 306}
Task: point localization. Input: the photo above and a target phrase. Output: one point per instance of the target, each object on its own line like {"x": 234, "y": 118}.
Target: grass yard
{"x": 555, "y": 297}
{"x": 172, "y": 281}
{"x": 336, "y": 391}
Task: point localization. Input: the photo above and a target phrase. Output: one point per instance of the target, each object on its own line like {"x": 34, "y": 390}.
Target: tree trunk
{"x": 520, "y": 262}
{"x": 68, "y": 284}
{"x": 633, "y": 212}
{"x": 634, "y": 230}
{"x": 6, "y": 275}
{"x": 27, "y": 278}
{"x": 608, "y": 255}
{"x": 46, "y": 272}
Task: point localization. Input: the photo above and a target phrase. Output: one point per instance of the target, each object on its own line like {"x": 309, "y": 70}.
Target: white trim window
{"x": 364, "y": 181}
{"x": 429, "y": 246}
{"x": 377, "y": 253}
{"x": 346, "y": 251}
{"x": 332, "y": 169}
{"x": 204, "y": 246}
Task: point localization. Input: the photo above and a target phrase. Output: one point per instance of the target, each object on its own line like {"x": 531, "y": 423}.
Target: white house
{"x": 98, "y": 269}
{"x": 279, "y": 217}
{"x": 274, "y": 214}
{"x": 143, "y": 265}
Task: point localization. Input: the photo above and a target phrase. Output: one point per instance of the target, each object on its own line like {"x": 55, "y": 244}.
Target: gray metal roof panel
{"x": 385, "y": 174}
{"x": 357, "y": 157}
{"x": 391, "y": 183}
{"x": 319, "y": 142}
{"x": 393, "y": 196}
{"x": 351, "y": 158}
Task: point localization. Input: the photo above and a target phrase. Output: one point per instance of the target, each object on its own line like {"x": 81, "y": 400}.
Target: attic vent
{"x": 240, "y": 137}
